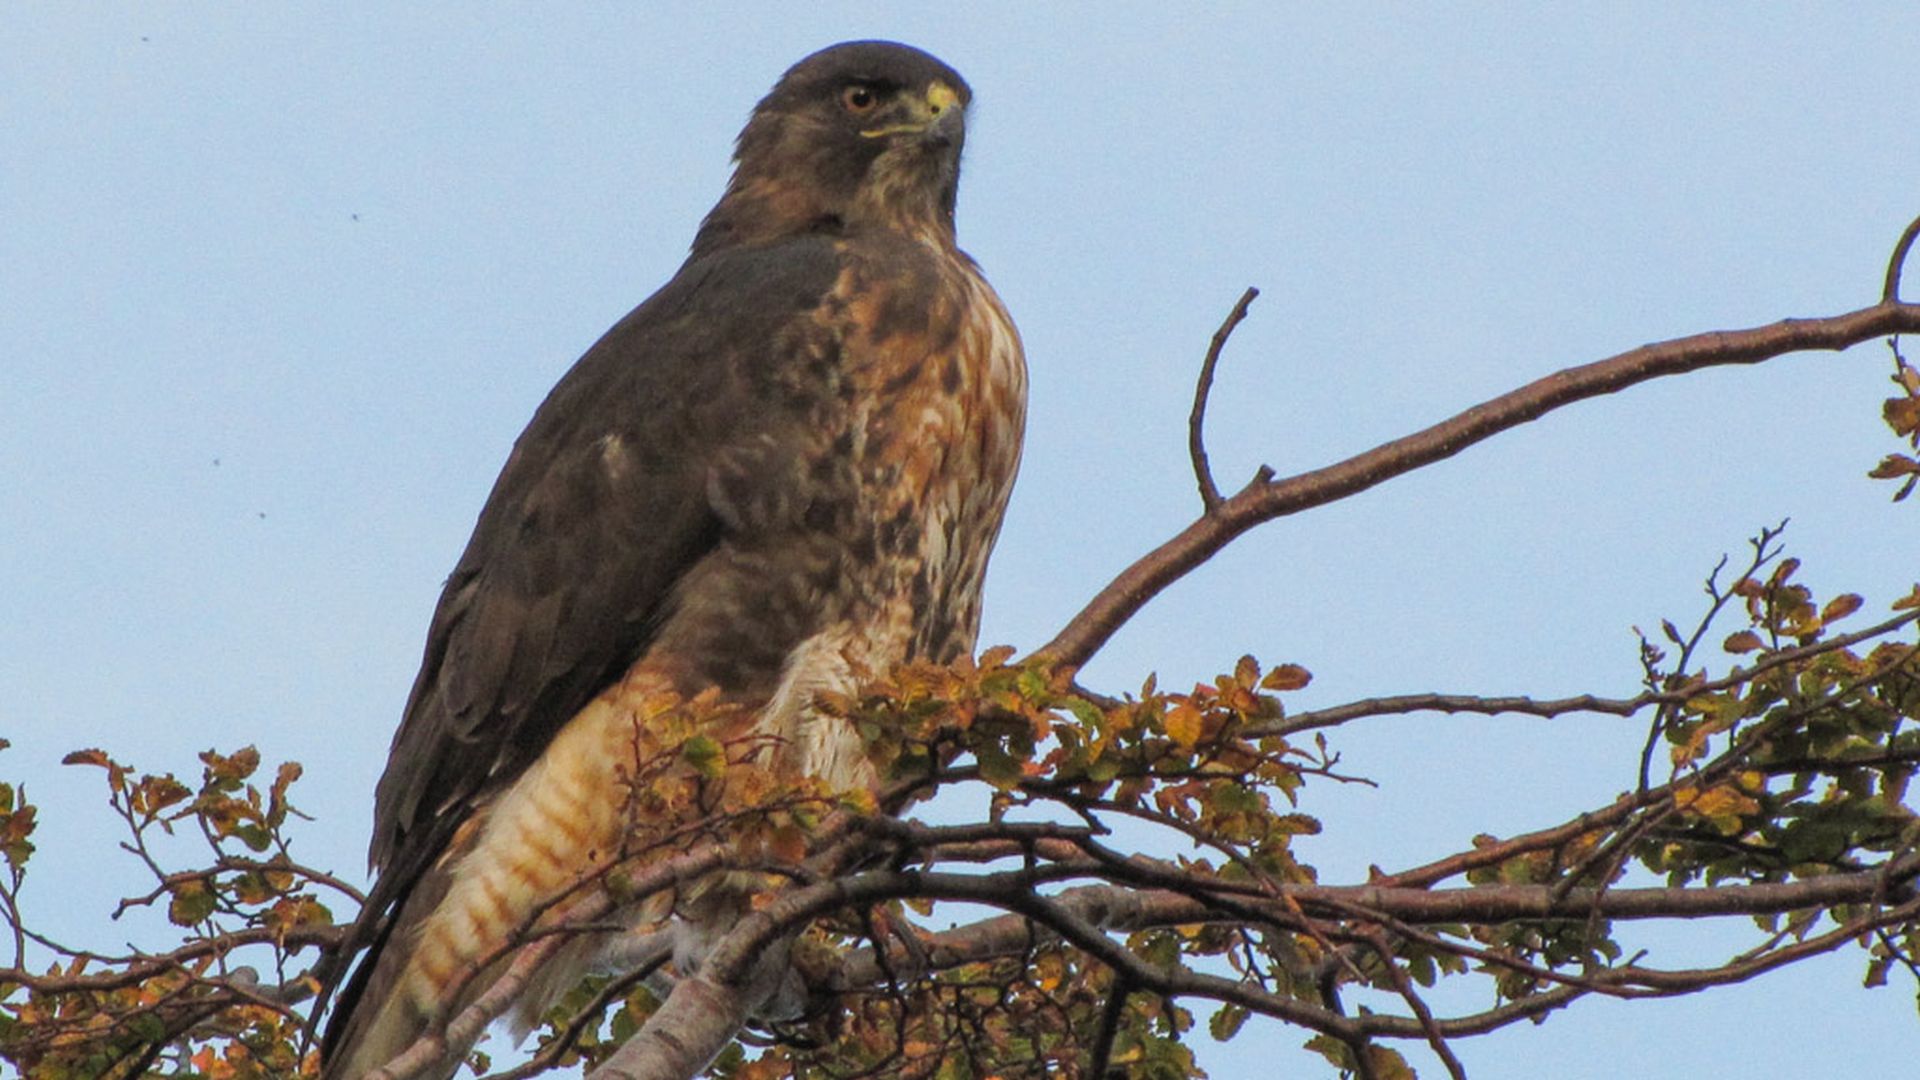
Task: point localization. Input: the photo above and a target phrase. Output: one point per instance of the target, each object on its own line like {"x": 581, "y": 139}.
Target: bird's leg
{"x": 774, "y": 991}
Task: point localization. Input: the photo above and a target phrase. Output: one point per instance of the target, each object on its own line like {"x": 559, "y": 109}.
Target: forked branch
{"x": 1264, "y": 500}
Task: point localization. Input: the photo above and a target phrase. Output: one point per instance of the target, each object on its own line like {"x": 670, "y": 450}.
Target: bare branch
{"x": 1765, "y": 549}
{"x": 1401, "y": 704}
{"x": 1550, "y": 707}
{"x": 1123, "y": 909}
{"x": 138, "y": 969}
{"x": 1197, "y": 419}
{"x": 1265, "y": 500}
{"x": 1404, "y": 987}
{"x": 1891, "y": 292}
{"x": 223, "y": 864}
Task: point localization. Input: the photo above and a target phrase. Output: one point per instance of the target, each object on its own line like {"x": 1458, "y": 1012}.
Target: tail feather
{"x": 506, "y": 862}
{"x": 375, "y": 1020}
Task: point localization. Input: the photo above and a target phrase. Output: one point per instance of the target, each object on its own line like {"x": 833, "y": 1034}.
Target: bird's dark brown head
{"x": 862, "y": 135}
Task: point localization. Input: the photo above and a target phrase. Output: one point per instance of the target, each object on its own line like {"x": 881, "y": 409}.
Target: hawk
{"x": 781, "y": 473}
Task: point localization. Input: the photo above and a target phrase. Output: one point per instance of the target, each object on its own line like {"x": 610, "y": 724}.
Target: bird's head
{"x": 857, "y": 136}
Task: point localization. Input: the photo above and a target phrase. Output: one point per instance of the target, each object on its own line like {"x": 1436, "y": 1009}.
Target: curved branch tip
{"x": 1890, "y": 292}
{"x": 1210, "y": 498}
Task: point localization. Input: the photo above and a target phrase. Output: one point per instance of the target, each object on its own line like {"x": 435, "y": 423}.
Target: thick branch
{"x": 706, "y": 1010}
{"x": 1121, "y": 909}
{"x": 1265, "y": 500}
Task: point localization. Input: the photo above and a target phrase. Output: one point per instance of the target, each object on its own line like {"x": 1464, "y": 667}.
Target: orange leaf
{"x": 788, "y": 844}
{"x": 1893, "y": 465}
{"x": 1902, "y": 414}
{"x": 996, "y": 656}
{"x": 1287, "y": 677}
{"x": 1840, "y": 607}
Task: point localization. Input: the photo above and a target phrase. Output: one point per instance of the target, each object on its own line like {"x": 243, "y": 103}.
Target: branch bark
{"x": 705, "y": 1011}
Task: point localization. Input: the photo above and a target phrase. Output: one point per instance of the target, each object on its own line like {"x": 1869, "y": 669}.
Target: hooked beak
{"x": 939, "y": 111}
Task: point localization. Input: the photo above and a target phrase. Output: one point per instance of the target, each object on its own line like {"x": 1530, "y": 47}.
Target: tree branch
{"x": 1123, "y": 909}
{"x": 1551, "y": 707}
{"x": 140, "y": 968}
{"x": 1891, "y": 292}
{"x": 1264, "y": 500}
{"x": 1197, "y": 419}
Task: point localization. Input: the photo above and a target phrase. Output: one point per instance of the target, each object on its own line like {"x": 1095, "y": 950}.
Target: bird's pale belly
{"x": 573, "y": 814}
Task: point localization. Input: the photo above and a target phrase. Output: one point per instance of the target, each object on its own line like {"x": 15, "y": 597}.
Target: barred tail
{"x": 376, "y": 1019}
{"x": 508, "y": 862}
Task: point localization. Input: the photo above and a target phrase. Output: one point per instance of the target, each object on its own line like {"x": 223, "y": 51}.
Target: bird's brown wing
{"x": 600, "y": 510}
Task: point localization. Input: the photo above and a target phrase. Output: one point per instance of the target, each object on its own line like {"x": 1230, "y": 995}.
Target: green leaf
{"x": 705, "y": 754}
{"x": 1421, "y": 969}
{"x": 147, "y": 1026}
{"x": 254, "y": 836}
{"x": 1226, "y": 1023}
{"x": 997, "y": 767}
{"x": 192, "y": 903}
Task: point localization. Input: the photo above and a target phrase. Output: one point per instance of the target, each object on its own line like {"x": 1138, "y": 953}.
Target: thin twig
{"x": 1197, "y": 419}
{"x": 1551, "y": 707}
{"x": 550, "y": 1054}
{"x": 1763, "y": 554}
{"x": 1891, "y": 293}
{"x": 1404, "y": 987}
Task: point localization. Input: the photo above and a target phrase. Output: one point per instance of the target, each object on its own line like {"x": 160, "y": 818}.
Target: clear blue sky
{"x": 280, "y": 284}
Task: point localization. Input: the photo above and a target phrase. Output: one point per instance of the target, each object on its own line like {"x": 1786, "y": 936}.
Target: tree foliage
{"x": 1132, "y": 886}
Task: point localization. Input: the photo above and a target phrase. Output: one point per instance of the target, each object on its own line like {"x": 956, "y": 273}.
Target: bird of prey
{"x": 780, "y": 474}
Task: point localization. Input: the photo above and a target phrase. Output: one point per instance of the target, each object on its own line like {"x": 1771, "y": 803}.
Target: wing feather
{"x": 600, "y": 510}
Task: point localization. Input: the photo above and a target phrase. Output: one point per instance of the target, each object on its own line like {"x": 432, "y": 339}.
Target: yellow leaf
{"x": 1722, "y": 806}
{"x": 1183, "y": 724}
{"x": 859, "y": 801}
{"x": 1049, "y": 970}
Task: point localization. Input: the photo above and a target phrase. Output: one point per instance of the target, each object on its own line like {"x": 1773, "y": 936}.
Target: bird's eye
{"x": 859, "y": 98}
